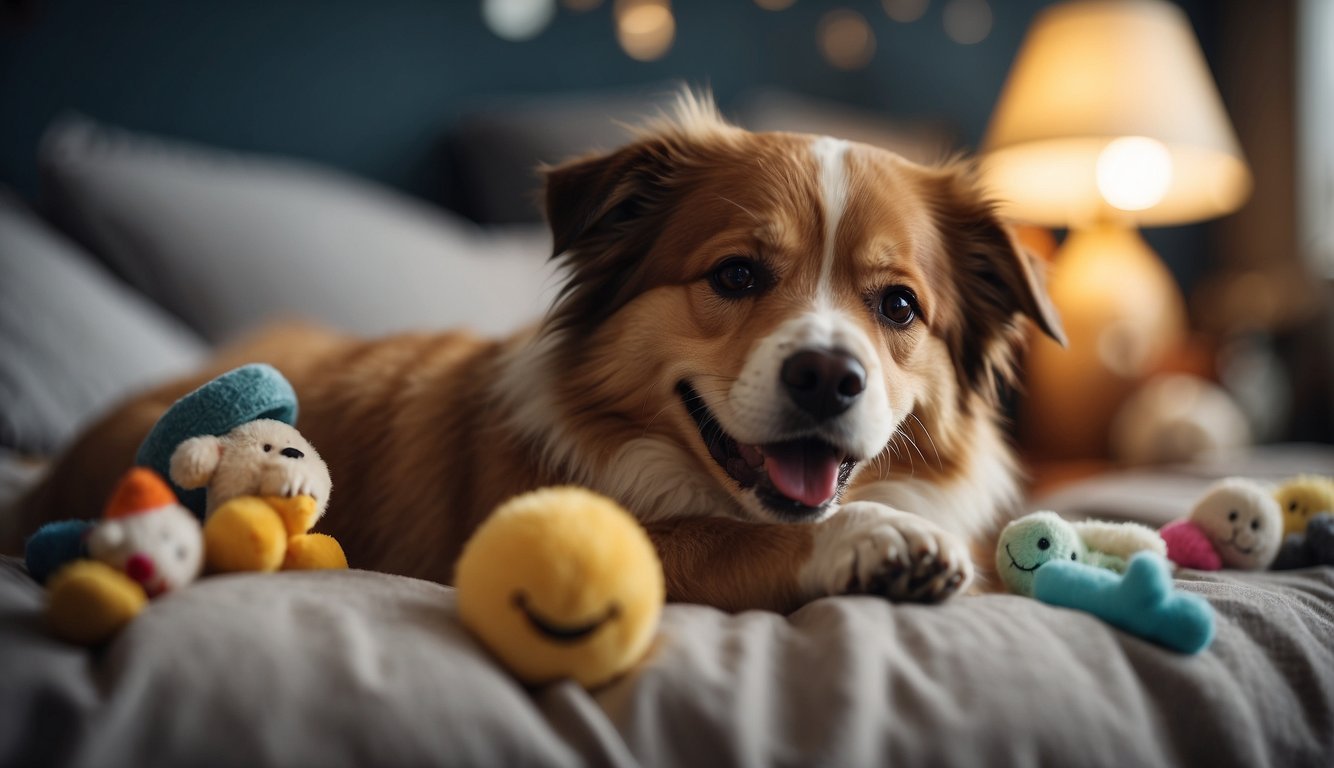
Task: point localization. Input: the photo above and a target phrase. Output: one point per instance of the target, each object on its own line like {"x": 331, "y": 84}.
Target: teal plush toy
{"x": 1141, "y": 602}
{"x": 1044, "y": 537}
{"x": 242, "y": 395}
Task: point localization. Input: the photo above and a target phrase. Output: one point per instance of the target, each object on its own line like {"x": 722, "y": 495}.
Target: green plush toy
{"x": 1042, "y": 537}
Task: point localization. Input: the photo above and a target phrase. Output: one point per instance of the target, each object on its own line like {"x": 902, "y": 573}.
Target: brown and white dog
{"x": 780, "y": 351}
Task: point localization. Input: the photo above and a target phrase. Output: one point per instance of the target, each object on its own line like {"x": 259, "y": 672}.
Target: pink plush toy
{"x": 1237, "y": 524}
{"x": 1189, "y": 547}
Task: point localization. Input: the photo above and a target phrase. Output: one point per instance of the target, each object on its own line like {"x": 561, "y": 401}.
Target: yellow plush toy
{"x": 561, "y": 583}
{"x": 266, "y": 488}
{"x": 1302, "y": 498}
{"x": 146, "y": 544}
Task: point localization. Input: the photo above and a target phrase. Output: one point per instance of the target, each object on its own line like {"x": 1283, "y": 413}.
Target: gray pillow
{"x": 73, "y": 339}
{"x": 229, "y": 242}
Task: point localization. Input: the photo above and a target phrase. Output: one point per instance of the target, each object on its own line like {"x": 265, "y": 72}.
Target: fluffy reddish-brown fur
{"x": 425, "y": 434}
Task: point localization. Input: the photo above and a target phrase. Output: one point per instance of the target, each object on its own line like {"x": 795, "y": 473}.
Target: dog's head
{"x": 777, "y": 305}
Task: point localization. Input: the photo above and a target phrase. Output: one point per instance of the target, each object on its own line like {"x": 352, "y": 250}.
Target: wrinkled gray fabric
{"x": 358, "y": 668}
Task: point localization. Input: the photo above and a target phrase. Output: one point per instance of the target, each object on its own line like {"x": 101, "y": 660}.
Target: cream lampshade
{"x": 1109, "y": 119}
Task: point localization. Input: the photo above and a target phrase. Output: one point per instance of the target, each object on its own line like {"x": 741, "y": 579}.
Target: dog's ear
{"x": 997, "y": 281}
{"x": 605, "y": 212}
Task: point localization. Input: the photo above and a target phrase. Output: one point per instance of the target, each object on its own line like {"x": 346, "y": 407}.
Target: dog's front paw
{"x": 869, "y": 548}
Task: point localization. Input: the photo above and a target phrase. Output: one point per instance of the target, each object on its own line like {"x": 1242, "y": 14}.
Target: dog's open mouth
{"x": 794, "y": 477}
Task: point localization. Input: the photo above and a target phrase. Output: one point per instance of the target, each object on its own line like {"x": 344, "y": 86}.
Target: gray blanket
{"x": 358, "y": 668}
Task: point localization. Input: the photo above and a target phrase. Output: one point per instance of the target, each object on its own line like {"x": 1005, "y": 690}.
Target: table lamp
{"x": 1108, "y": 120}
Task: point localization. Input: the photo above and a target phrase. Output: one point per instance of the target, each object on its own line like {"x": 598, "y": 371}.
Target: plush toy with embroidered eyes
{"x": 266, "y": 486}
{"x": 1236, "y": 524}
{"x": 1042, "y": 537}
{"x": 1114, "y": 571}
{"x": 146, "y": 544}
{"x": 1307, "y": 502}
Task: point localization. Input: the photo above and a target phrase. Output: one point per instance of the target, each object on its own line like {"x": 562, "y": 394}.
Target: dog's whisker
{"x": 655, "y": 416}
{"x": 912, "y": 465}
{"x": 913, "y": 444}
{"x": 927, "y": 432}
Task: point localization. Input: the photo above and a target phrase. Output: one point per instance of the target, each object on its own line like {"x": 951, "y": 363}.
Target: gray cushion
{"x": 229, "y": 242}
{"x": 73, "y": 338}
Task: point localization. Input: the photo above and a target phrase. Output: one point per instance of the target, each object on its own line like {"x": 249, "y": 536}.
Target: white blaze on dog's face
{"x": 786, "y": 301}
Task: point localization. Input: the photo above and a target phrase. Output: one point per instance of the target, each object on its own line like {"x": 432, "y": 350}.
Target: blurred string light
{"x": 579, "y": 6}
{"x": 845, "y": 39}
{"x": 518, "y": 20}
{"x": 774, "y": 5}
{"x": 904, "y": 11}
{"x": 967, "y": 21}
{"x": 645, "y": 28}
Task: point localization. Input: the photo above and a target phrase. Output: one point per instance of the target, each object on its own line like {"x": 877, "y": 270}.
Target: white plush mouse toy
{"x": 266, "y": 487}
{"x": 259, "y": 458}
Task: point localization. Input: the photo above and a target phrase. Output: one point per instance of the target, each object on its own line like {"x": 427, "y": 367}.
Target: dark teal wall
{"x": 372, "y": 85}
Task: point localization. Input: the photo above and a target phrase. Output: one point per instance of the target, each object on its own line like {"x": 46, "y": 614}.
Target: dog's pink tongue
{"x": 803, "y": 471}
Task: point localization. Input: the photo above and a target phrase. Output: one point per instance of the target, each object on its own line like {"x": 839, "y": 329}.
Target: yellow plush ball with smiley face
{"x": 561, "y": 583}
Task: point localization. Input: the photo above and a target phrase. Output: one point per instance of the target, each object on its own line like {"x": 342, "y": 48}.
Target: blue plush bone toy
{"x": 1141, "y": 602}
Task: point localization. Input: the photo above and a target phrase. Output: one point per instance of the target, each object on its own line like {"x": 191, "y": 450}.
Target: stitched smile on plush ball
{"x": 562, "y": 633}
{"x": 796, "y": 479}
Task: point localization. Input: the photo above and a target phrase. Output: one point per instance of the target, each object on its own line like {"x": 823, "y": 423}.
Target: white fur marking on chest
{"x": 831, "y": 155}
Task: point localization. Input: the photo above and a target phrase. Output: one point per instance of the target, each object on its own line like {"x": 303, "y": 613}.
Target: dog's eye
{"x": 267, "y": 447}
{"x": 1232, "y": 515}
{"x": 898, "y": 305}
{"x": 736, "y": 277}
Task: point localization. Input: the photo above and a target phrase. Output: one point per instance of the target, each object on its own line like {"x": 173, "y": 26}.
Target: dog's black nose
{"x": 292, "y": 453}
{"x": 823, "y": 382}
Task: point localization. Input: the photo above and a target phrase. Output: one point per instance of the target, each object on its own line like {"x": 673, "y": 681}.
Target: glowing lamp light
{"x": 1134, "y": 173}
{"x": 1109, "y": 121}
